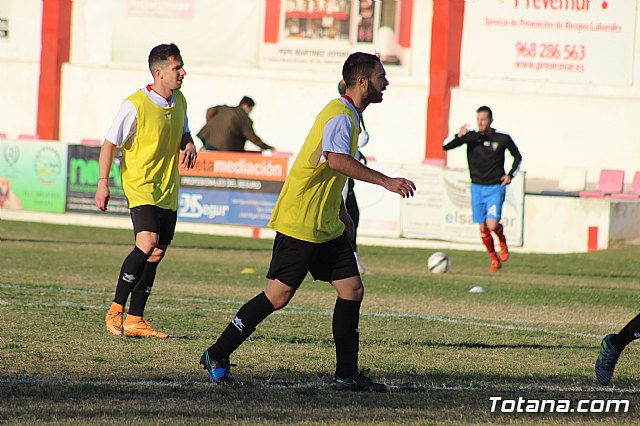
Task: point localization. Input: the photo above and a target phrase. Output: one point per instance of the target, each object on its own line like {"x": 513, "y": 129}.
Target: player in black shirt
{"x": 485, "y": 155}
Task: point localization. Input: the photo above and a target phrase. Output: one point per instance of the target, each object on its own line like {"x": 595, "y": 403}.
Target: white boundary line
{"x": 412, "y": 387}
{"x": 476, "y": 322}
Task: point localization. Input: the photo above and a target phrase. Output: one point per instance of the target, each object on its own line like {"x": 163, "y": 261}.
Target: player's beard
{"x": 374, "y": 96}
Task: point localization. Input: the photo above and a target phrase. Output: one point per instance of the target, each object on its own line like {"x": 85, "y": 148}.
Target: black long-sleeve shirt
{"x": 485, "y": 155}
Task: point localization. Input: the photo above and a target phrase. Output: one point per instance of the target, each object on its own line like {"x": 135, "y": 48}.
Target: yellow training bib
{"x": 309, "y": 203}
{"x": 150, "y": 163}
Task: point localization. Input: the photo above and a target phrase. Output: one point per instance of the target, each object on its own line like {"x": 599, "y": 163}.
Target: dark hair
{"x": 342, "y": 87}
{"x": 162, "y": 53}
{"x": 358, "y": 64}
{"x": 487, "y": 110}
{"x": 247, "y": 101}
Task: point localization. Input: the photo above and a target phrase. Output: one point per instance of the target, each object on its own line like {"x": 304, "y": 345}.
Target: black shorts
{"x": 155, "y": 219}
{"x": 329, "y": 261}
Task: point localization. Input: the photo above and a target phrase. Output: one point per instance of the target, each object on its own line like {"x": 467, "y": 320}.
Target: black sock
{"x": 629, "y": 333}
{"x": 130, "y": 274}
{"x": 142, "y": 290}
{"x": 243, "y": 324}
{"x": 346, "y": 316}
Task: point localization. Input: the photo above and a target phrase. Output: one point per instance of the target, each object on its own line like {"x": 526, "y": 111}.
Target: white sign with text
{"x": 562, "y": 41}
{"x": 441, "y": 208}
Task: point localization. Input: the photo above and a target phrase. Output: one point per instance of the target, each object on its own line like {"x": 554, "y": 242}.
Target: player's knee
{"x": 279, "y": 298}
{"x": 147, "y": 245}
{"x": 158, "y": 254}
{"x": 278, "y": 293}
{"x": 147, "y": 241}
{"x": 493, "y": 225}
{"x": 281, "y": 301}
{"x": 355, "y": 291}
{"x": 156, "y": 257}
{"x": 358, "y": 293}
{"x": 146, "y": 248}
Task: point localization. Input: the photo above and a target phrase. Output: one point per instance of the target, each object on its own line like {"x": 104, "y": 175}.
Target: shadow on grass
{"x": 261, "y": 400}
{"x": 417, "y": 343}
{"x": 585, "y": 274}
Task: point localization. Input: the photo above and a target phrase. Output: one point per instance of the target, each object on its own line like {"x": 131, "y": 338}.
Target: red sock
{"x": 500, "y": 234}
{"x": 487, "y": 239}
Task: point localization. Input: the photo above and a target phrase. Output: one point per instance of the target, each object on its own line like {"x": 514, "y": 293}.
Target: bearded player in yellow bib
{"x": 312, "y": 227}
{"x": 151, "y": 129}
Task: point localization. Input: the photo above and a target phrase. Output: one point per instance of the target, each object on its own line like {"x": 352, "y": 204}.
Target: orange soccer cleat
{"x": 135, "y": 326}
{"x": 504, "y": 252}
{"x": 495, "y": 265}
{"x": 114, "y": 319}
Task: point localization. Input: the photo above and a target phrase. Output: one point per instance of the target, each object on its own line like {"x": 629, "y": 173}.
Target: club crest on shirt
{"x": 494, "y": 145}
{"x": 167, "y": 116}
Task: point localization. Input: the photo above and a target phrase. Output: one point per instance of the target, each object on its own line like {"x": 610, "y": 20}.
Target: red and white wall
{"x": 572, "y": 100}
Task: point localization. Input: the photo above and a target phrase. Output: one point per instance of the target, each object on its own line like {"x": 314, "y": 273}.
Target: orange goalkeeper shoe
{"x": 113, "y": 320}
{"x": 495, "y": 265}
{"x": 138, "y": 327}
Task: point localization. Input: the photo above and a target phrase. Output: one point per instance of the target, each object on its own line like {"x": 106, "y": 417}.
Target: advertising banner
{"x": 441, "y": 208}
{"x": 321, "y": 34}
{"x": 33, "y": 175}
{"x": 226, "y": 207}
{"x": 231, "y": 188}
{"x": 223, "y": 187}
{"x": 572, "y": 41}
{"x": 83, "y": 181}
{"x": 248, "y": 166}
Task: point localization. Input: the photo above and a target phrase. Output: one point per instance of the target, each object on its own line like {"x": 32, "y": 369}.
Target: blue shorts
{"x": 486, "y": 202}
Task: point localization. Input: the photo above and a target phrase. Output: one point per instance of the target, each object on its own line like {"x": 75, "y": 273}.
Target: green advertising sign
{"x": 33, "y": 175}
{"x": 83, "y": 181}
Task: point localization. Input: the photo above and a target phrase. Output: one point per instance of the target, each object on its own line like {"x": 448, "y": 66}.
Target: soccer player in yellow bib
{"x": 151, "y": 129}
{"x": 312, "y": 227}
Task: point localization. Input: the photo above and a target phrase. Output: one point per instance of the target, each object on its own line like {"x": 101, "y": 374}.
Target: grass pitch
{"x": 444, "y": 351}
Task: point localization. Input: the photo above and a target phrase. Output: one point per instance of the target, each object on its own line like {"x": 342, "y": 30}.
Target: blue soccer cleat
{"x": 218, "y": 369}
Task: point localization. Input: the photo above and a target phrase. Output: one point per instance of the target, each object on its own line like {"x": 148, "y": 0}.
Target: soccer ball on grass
{"x": 439, "y": 263}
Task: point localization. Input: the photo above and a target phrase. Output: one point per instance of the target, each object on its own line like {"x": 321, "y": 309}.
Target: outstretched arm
{"x": 260, "y": 143}
{"x": 349, "y": 167}
{"x": 458, "y": 140}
